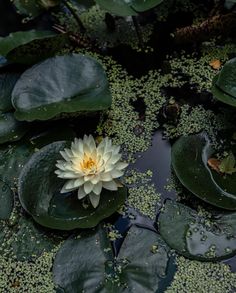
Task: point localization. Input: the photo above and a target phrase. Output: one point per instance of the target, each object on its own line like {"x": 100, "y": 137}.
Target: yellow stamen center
{"x": 88, "y": 164}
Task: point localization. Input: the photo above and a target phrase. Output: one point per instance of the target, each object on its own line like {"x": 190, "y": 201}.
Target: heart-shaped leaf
{"x": 189, "y": 160}
{"x": 39, "y": 192}
{"x": 126, "y": 8}
{"x": 63, "y": 84}
{"x": 87, "y": 263}
{"x": 195, "y": 236}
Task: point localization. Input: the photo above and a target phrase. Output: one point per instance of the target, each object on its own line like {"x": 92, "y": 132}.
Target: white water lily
{"x": 89, "y": 167}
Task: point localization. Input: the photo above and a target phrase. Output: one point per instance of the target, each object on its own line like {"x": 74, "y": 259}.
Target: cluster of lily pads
{"x": 66, "y": 185}
{"x": 210, "y": 175}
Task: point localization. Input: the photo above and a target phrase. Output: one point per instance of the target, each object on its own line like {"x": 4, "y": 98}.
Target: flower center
{"x": 89, "y": 165}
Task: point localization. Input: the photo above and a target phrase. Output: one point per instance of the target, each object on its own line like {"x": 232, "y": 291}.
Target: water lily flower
{"x": 89, "y": 167}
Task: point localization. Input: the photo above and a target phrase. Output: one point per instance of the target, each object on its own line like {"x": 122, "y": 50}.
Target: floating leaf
{"x": 7, "y": 201}
{"x": 29, "y": 47}
{"x": 87, "y": 263}
{"x": 224, "y": 83}
{"x": 63, "y": 84}
{"x": 7, "y": 83}
{"x": 126, "y": 8}
{"x": 30, "y": 242}
{"x": 189, "y": 160}
{"x": 34, "y": 8}
{"x": 195, "y": 236}
{"x": 39, "y": 192}
{"x": 11, "y": 129}
{"x": 14, "y": 156}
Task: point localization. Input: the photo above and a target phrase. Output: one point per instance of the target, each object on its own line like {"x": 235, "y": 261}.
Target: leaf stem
{"x": 75, "y": 15}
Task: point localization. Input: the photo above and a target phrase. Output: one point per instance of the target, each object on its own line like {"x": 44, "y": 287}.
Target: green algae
{"x": 202, "y": 277}
{"x": 34, "y": 277}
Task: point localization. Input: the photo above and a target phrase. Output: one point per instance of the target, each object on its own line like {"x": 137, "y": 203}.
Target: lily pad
{"x": 87, "y": 263}
{"x": 189, "y": 160}
{"x": 14, "y": 156}
{"x": 39, "y": 192}
{"x": 127, "y": 8}
{"x": 63, "y": 84}
{"x": 30, "y": 242}
{"x": 11, "y": 129}
{"x": 29, "y": 47}
{"x": 33, "y": 8}
{"x": 7, "y": 83}
{"x": 7, "y": 201}
{"x": 224, "y": 83}
{"x": 196, "y": 236}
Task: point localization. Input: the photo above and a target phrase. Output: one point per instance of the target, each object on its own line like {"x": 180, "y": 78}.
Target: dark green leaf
{"x": 33, "y": 8}
{"x": 189, "y": 160}
{"x": 7, "y": 201}
{"x": 64, "y": 84}
{"x": 87, "y": 263}
{"x": 29, "y": 47}
{"x": 126, "y": 8}
{"x": 7, "y": 83}
{"x": 11, "y": 129}
{"x": 196, "y": 236}
{"x": 14, "y": 156}
{"x": 224, "y": 83}
{"x": 39, "y": 192}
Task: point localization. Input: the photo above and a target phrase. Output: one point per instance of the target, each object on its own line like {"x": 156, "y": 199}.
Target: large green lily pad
{"x": 189, "y": 160}
{"x": 88, "y": 264}
{"x": 196, "y": 236}
{"x": 63, "y": 84}
{"x": 39, "y": 192}
{"x": 7, "y": 83}
{"x": 10, "y": 128}
{"x": 126, "y": 8}
{"x": 224, "y": 83}
{"x": 14, "y": 156}
{"x": 29, "y": 47}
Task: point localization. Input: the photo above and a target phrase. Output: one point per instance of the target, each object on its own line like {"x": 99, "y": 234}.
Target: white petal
{"x": 91, "y": 143}
{"x": 65, "y": 188}
{"x": 67, "y": 175}
{"x": 116, "y": 173}
{"x": 94, "y": 198}
{"x": 105, "y": 176}
{"x": 109, "y": 167}
{"x": 115, "y": 158}
{"x": 121, "y": 165}
{"x": 95, "y": 179}
{"x": 111, "y": 185}
{"x": 64, "y": 155}
{"x": 81, "y": 193}
{"x": 88, "y": 187}
{"x": 97, "y": 188}
{"x": 79, "y": 182}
